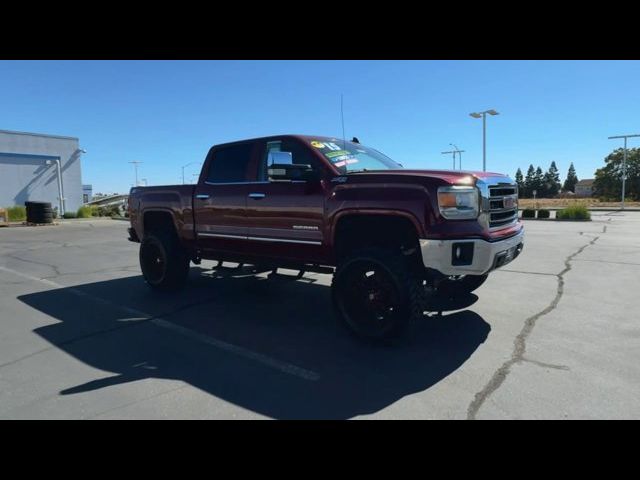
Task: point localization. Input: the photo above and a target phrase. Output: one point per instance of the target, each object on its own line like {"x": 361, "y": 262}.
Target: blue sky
{"x": 167, "y": 114}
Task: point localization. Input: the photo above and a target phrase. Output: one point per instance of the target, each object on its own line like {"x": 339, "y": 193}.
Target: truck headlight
{"x": 458, "y": 203}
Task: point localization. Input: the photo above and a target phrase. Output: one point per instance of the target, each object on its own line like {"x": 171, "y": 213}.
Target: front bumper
{"x": 470, "y": 257}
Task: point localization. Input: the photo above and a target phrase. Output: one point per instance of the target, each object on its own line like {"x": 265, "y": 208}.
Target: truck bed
{"x": 176, "y": 200}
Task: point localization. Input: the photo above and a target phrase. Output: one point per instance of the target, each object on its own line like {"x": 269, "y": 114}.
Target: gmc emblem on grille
{"x": 509, "y": 202}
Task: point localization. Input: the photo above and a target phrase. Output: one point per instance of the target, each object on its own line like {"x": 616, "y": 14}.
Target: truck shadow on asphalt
{"x": 288, "y": 321}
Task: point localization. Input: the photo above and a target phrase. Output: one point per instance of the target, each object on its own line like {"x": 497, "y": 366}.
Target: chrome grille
{"x": 503, "y": 205}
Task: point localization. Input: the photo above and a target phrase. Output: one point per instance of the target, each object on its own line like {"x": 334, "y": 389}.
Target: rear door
{"x": 220, "y": 198}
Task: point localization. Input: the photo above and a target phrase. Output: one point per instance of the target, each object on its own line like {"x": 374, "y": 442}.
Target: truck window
{"x": 230, "y": 164}
{"x": 299, "y": 155}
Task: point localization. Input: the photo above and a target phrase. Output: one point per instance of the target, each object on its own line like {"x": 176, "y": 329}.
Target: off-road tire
{"x": 404, "y": 286}
{"x": 163, "y": 261}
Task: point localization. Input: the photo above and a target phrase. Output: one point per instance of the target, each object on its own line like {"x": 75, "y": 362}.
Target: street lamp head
{"x": 475, "y": 115}
{"x": 492, "y": 112}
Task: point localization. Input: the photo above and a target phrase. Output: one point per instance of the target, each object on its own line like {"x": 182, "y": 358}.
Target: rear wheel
{"x": 163, "y": 261}
{"x": 457, "y": 285}
{"x": 375, "y": 295}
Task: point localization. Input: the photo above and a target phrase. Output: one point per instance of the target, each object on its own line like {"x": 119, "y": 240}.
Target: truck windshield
{"x": 353, "y": 157}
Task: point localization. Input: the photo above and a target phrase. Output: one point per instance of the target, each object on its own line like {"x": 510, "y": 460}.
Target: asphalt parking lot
{"x": 555, "y": 334}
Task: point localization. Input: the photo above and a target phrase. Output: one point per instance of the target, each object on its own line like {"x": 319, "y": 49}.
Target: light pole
{"x": 60, "y": 190}
{"x": 459, "y": 155}
{"x": 624, "y": 161}
{"x": 484, "y": 133}
{"x": 135, "y": 164}
{"x": 185, "y": 166}
{"x": 454, "y": 157}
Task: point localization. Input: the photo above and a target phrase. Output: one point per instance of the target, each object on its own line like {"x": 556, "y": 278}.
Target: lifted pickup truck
{"x": 391, "y": 236}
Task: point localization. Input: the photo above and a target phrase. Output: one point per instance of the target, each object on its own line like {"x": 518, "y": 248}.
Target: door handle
{"x": 257, "y": 196}
{"x": 202, "y": 196}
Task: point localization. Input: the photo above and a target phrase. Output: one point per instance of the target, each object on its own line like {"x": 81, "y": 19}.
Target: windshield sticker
{"x": 347, "y": 161}
{"x": 341, "y": 158}
{"x": 361, "y": 151}
{"x": 323, "y": 145}
{"x": 337, "y": 154}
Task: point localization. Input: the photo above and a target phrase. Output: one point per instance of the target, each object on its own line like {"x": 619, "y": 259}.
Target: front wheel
{"x": 459, "y": 285}
{"x": 375, "y": 295}
{"x": 163, "y": 261}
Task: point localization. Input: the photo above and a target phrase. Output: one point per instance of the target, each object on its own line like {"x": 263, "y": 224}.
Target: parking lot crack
{"x": 519, "y": 344}
{"x": 34, "y": 262}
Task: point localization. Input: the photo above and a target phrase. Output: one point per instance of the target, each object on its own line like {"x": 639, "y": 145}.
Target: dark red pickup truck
{"x": 391, "y": 236}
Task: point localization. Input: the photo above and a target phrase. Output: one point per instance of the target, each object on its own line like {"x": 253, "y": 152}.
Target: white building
{"x": 40, "y": 167}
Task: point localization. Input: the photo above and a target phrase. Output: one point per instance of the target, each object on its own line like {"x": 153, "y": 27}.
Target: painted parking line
{"x": 274, "y": 363}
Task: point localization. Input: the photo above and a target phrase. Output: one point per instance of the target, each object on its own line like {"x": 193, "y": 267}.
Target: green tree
{"x": 572, "y": 179}
{"x": 608, "y": 182}
{"x": 520, "y": 182}
{"x": 538, "y": 184}
{"x": 552, "y": 181}
{"x": 528, "y": 182}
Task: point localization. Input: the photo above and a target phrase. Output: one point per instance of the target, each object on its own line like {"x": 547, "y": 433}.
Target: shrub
{"x": 528, "y": 213}
{"x": 109, "y": 211}
{"x": 574, "y": 212}
{"x": 17, "y": 213}
{"x": 69, "y": 215}
{"x": 543, "y": 213}
{"x": 84, "y": 212}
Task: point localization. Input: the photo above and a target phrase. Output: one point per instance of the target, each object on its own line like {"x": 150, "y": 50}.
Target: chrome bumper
{"x": 470, "y": 257}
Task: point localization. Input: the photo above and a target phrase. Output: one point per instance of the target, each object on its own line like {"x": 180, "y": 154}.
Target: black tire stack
{"x": 39, "y": 212}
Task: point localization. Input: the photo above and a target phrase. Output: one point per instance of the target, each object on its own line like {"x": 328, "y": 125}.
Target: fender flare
{"x": 373, "y": 211}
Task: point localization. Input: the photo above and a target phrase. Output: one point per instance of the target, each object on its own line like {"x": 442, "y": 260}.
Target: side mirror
{"x": 279, "y": 158}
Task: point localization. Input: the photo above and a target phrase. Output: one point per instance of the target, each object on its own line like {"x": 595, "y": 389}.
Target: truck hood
{"x": 451, "y": 177}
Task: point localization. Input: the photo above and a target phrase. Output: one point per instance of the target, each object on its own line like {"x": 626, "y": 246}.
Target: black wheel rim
{"x": 369, "y": 299}
{"x": 153, "y": 263}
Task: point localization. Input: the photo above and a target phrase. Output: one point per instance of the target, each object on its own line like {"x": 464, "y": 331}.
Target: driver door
{"x": 286, "y": 217}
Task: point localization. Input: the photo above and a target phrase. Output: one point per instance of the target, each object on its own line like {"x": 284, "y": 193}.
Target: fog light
{"x": 462, "y": 253}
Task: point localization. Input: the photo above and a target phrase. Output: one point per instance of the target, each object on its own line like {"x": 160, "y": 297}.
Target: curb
{"x": 557, "y": 220}
{"x": 593, "y": 209}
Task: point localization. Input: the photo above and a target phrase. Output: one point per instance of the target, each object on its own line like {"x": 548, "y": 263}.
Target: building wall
{"x": 87, "y": 193}
{"x": 584, "y": 191}
{"x": 25, "y": 176}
